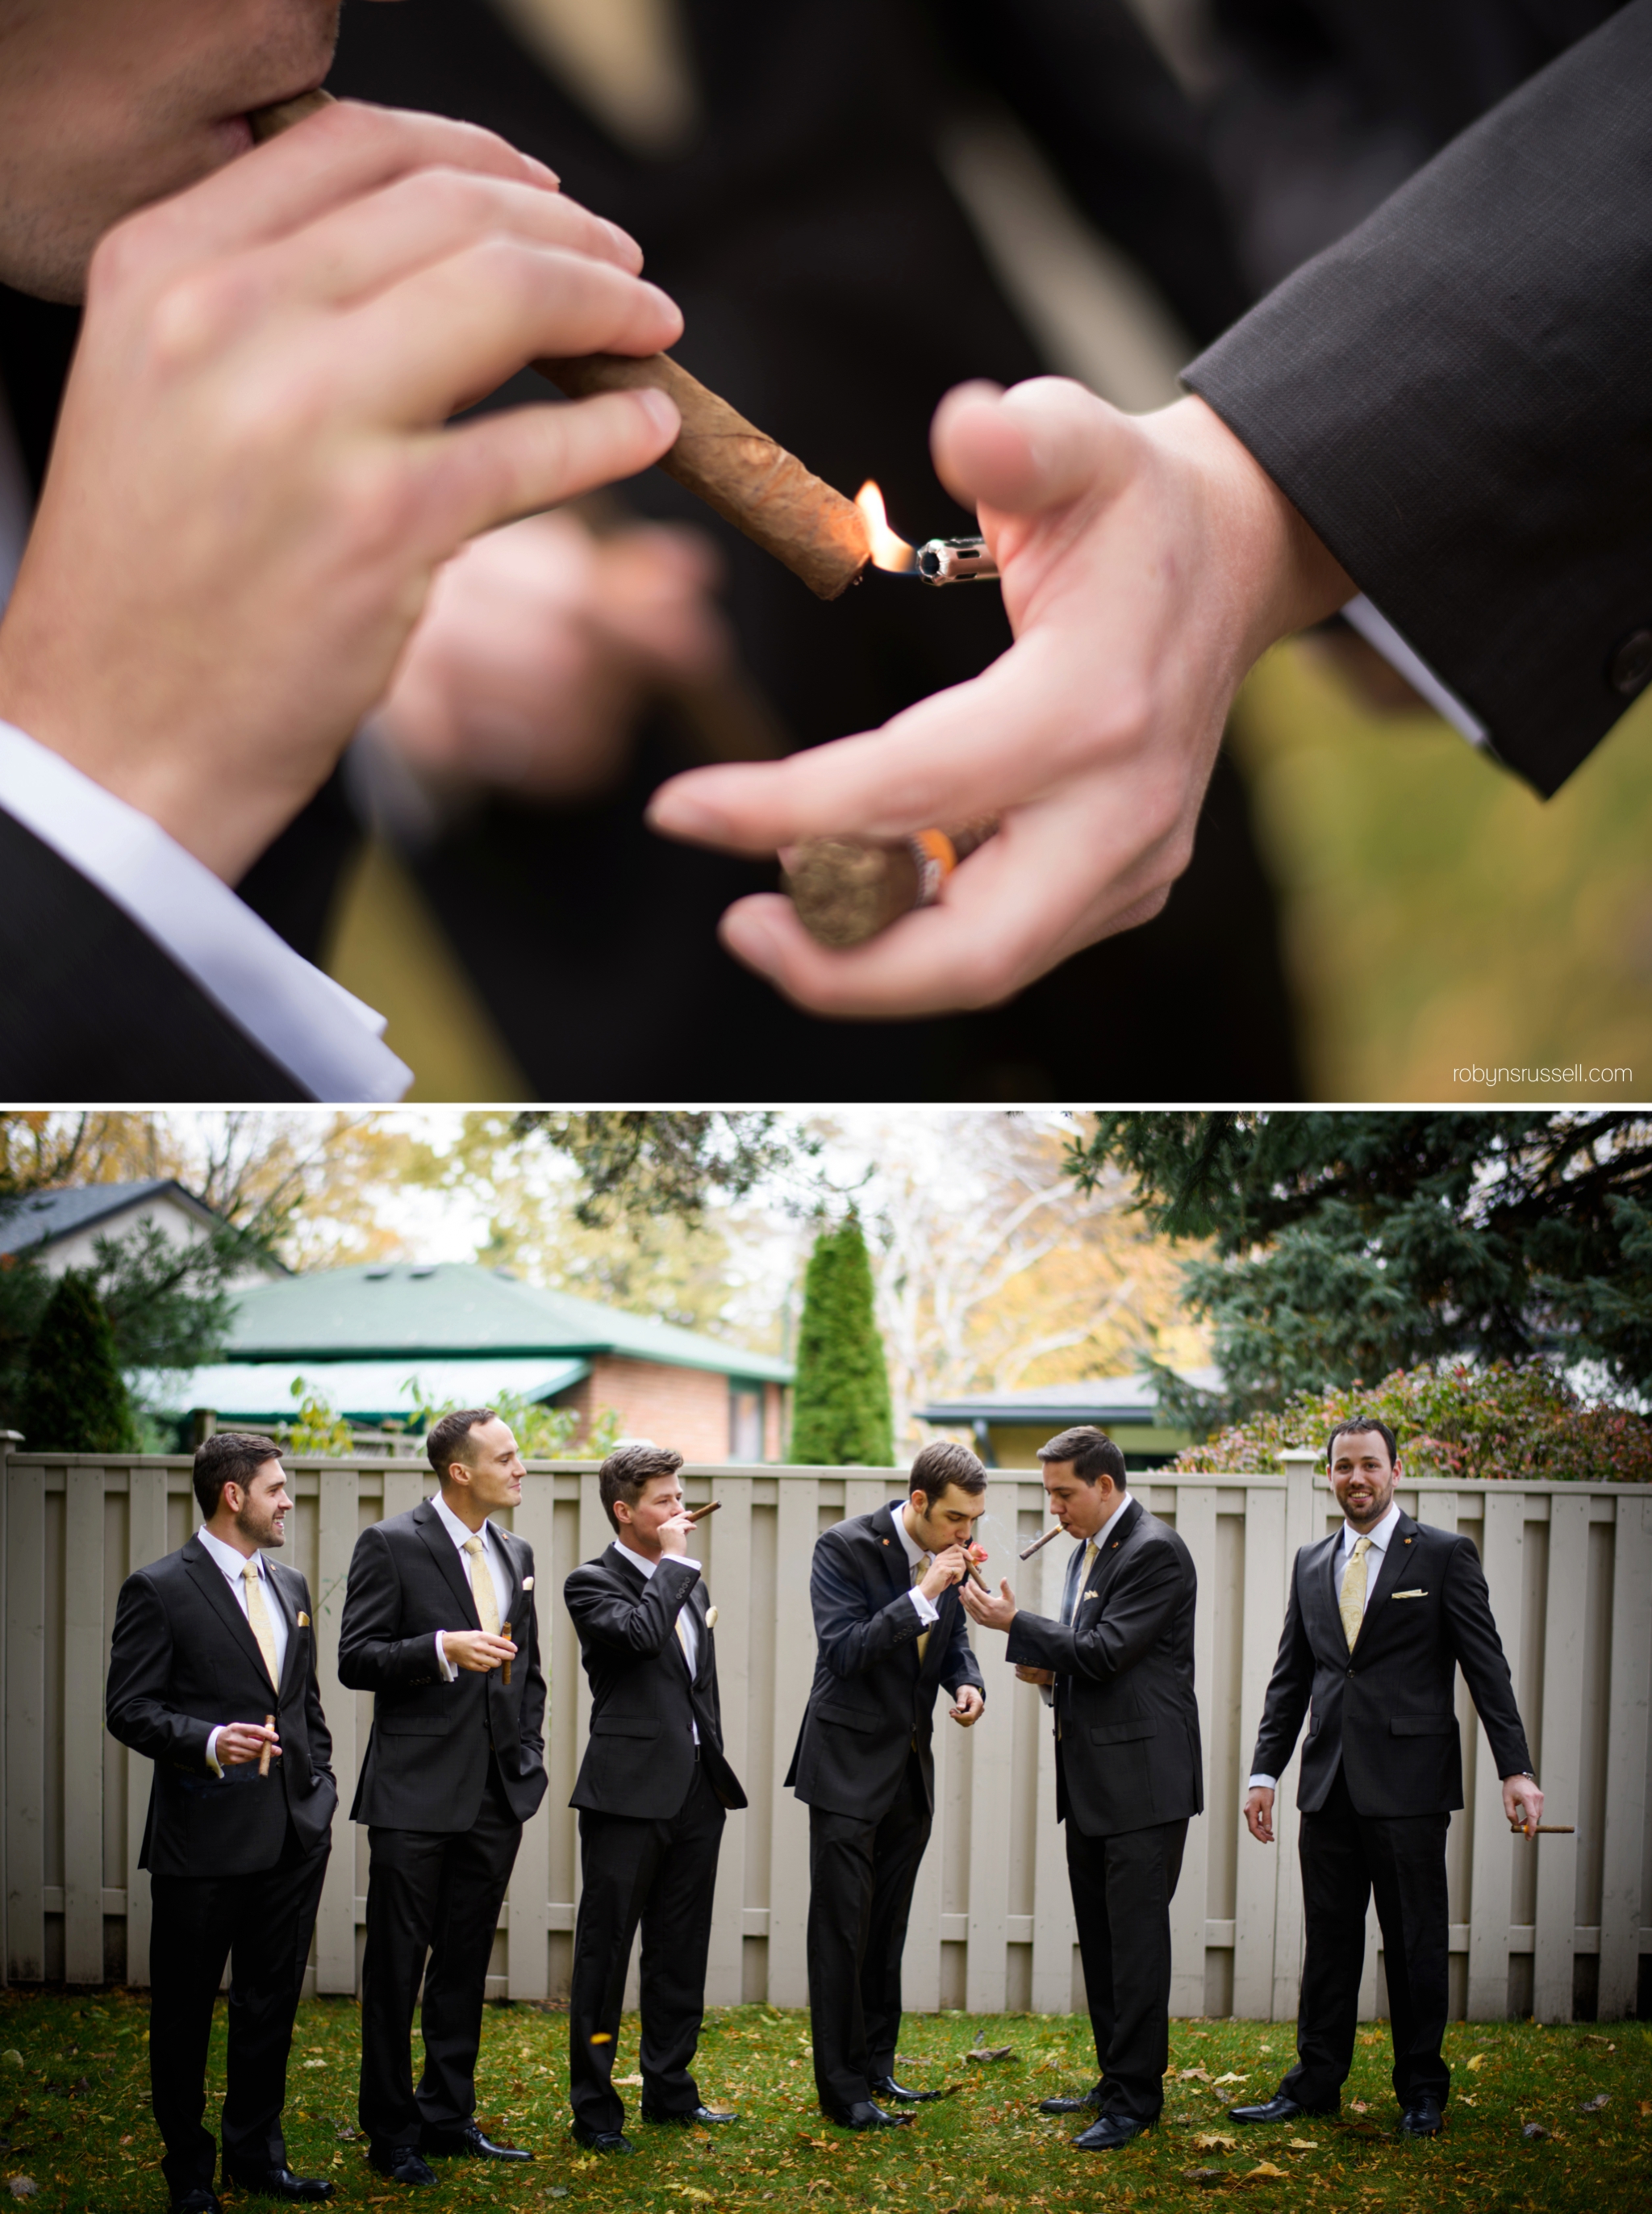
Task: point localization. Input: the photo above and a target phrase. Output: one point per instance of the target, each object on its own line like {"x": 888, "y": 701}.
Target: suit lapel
{"x": 1395, "y": 1556}
{"x": 514, "y": 1605}
{"x": 209, "y": 1579}
{"x": 1115, "y": 1543}
{"x": 445, "y": 1554}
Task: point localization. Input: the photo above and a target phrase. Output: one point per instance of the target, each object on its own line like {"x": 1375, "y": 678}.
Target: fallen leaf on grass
{"x": 984, "y": 2052}
{"x": 1194, "y": 2075}
{"x": 1477, "y": 2061}
{"x": 1263, "y": 2167}
{"x": 1360, "y": 2107}
{"x": 1231, "y": 2078}
{"x": 1533, "y": 2130}
{"x": 1304, "y": 2144}
{"x": 1463, "y": 2100}
{"x": 1206, "y": 2178}
{"x": 689, "y": 2191}
{"x": 1590, "y": 2038}
{"x": 1214, "y": 2141}
{"x": 629, "y": 2082}
{"x": 1593, "y": 2105}
{"x": 315, "y": 2064}
{"x": 22, "y": 2186}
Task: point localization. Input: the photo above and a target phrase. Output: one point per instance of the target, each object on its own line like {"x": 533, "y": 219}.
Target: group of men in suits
{"x": 241, "y": 1811}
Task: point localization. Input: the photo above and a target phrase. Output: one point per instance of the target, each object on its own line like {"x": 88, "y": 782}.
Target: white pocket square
{"x": 1417, "y": 1592}
{"x": 528, "y": 1583}
{"x": 710, "y": 1618}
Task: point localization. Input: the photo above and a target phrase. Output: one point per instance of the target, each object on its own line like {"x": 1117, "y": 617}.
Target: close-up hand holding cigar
{"x": 240, "y": 1743}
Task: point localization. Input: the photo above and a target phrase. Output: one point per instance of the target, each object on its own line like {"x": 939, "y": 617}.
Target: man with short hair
{"x": 652, "y": 1792}
{"x": 1118, "y": 1668}
{"x": 209, "y": 1643}
{"x": 454, "y": 1766}
{"x": 888, "y": 1634}
{"x": 1381, "y": 1615}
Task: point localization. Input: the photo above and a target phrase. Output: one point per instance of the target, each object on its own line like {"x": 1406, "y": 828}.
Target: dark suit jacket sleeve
{"x": 850, "y": 1635}
{"x": 1458, "y": 396}
{"x": 1134, "y": 1614}
{"x": 959, "y": 1666}
{"x": 140, "y": 1671}
{"x": 1480, "y": 1657}
{"x": 316, "y": 1722}
{"x": 604, "y": 1615}
{"x": 373, "y": 1656}
{"x": 1290, "y": 1689}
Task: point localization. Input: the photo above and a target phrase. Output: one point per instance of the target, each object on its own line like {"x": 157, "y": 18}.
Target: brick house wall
{"x": 686, "y": 1409}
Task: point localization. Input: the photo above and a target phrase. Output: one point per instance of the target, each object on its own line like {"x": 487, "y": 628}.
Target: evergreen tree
{"x": 841, "y": 1414}
{"x": 73, "y": 1399}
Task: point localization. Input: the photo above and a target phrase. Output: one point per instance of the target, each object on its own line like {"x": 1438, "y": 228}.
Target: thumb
{"x": 1036, "y": 446}
{"x": 1004, "y": 1591}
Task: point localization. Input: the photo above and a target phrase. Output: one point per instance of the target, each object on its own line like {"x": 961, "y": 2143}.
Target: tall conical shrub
{"x": 73, "y": 1399}
{"x": 841, "y": 1411}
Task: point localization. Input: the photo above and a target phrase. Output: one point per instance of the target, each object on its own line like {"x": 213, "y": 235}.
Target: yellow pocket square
{"x": 710, "y": 1618}
{"x": 303, "y": 1619}
{"x": 1092, "y": 1594}
{"x": 1417, "y": 1592}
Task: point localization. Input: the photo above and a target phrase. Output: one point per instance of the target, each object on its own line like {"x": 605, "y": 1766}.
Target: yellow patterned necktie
{"x": 920, "y": 1570}
{"x": 258, "y": 1618}
{"x": 487, "y": 1604}
{"x": 1353, "y": 1591}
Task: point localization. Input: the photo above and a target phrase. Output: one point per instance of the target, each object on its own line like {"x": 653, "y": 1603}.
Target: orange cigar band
{"x": 936, "y": 858}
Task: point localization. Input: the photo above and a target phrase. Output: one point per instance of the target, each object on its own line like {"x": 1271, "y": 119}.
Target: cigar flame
{"x": 889, "y": 549}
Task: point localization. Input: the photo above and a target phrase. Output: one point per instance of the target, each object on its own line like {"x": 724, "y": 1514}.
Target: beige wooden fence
{"x": 1555, "y": 1927}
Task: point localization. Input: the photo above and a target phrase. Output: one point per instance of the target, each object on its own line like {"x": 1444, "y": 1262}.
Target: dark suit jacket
{"x": 182, "y": 1661}
{"x": 1386, "y": 1710}
{"x": 645, "y": 1707}
{"x": 1127, "y": 1721}
{"x": 871, "y": 1702}
{"x": 427, "y": 1758}
{"x": 1456, "y": 396}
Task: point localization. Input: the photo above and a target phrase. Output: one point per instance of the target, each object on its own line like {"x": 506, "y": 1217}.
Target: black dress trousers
{"x": 663, "y": 1875}
{"x": 262, "y": 1925}
{"x": 861, "y": 1878}
{"x": 1346, "y": 1857}
{"x": 1122, "y": 1888}
{"x": 443, "y": 1890}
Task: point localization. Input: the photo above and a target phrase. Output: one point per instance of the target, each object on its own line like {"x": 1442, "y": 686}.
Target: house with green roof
{"x": 377, "y": 1339}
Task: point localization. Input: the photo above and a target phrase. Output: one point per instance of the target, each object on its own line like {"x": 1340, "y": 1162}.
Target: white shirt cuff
{"x": 212, "y": 1761}
{"x": 449, "y": 1672}
{"x": 323, "y": 1036}
{"x": 1374, "y": 627}
{"x": 927, "y": 1612}
{"x": 1269, "y": 1783}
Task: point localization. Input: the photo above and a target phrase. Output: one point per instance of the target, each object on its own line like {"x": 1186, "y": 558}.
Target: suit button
{"x": 1350, "y": 1671}
{"x": 1632, "y": 664}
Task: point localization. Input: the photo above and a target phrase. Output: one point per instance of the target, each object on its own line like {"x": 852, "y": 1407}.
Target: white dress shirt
{"x": 689, "y": 1627}
{"x": 927, "y": 1610}
{"x": 233, "y": 1565}
{"x": 1379, "y": 1538}
{"x": 493, "y": 1553}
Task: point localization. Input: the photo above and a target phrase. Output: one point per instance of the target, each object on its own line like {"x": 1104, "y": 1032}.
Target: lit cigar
{"x": 750, "y": 479}
{"x": 264, "y": 1757}
{"x": 699, "y": 1513}
{"x": 1544, "y": 1830}
{"x": 1038, "y": 1543}
{"x": 848, "y": 889}
{"x": 504, "y": 1631}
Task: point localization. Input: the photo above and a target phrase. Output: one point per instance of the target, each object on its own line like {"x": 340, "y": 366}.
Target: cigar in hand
{"x": 848, "y": 890}
{"x": 749, "y": 478}
{"x": 264, "y": 1757}
{"x": 504, "y": 1631}
{"x": 1544, "y": 1830}
{"x": 699, "y": 1513}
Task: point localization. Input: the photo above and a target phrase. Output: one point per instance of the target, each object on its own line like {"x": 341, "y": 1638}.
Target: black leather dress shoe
{"x": 1089, "y": 2104}
{"x": 1279, "y": 2109}
{"x": 698, "y": 2117}
{"x": 1109, "y": 2132}
{"x": 401, "y": 2163}
{"x": 885, "y": 2087}
{"x": 601, "y": 2140}
{"x": 278, "y": 2183}
{"x": 465, "y": 2143}
{"x": 1422, "y": 2119}
{"x": 864, "y": 2115}
{"x": 200, "y": 2200}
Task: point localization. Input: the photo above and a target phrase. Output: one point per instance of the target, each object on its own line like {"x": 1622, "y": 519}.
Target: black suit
{"x": 452, "y": 1770}
{"x": 235, "y": 1861}
{"x": 865, "y": 1766}
{"x": 1381, "y": 1772}
{"x": 651, "y": 1794}
{"x": 1129, "y": 1777}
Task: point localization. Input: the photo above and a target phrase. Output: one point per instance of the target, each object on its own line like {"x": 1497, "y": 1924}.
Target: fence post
{"x": 335, "y": 1923}
{"x": 8, "y": 1440}
{"x": 1623, "y": 1910}
{"x": 1301, "y": 1467}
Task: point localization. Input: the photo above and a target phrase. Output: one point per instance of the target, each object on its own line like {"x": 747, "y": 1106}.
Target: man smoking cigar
{"x": 653, "y": 1792}
{"x": 204, "y": 1639}
{"x": 252, "y": 488}
{"x": 889, "y": 1633}
{"x": 1380, "y": 1615}
{"x": 454, "y": 1767}
{"x": 1117, "y": 1667}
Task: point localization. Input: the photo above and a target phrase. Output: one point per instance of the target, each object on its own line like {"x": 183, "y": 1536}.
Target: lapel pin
{"x": 710, "y": 1618}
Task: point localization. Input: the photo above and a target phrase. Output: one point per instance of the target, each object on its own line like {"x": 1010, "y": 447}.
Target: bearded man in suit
{"x": 206, "y": 1643}
{"x": 889, "y": 1634}
{"x": 652, "y": 1794}
{"x": 1118, "y": 1668}
{"x": 454, "y": 1766}
{"x": 1381, "y": 1615}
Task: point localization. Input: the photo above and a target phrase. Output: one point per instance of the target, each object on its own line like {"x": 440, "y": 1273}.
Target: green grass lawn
{"x": 80, "y": 2126}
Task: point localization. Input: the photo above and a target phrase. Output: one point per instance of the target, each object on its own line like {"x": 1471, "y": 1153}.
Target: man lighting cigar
{"x": 252, "y": 486}
{"x": 1384, "y": 426}
{"x": 1117, "y": 1666}
{"x": 1380, "y": 1615}
{"x": 454, "y": 1766}
{"x": 206, "y": 1640}
{"x": 652, "y": 1794}
{"x": 889, "y": 1633}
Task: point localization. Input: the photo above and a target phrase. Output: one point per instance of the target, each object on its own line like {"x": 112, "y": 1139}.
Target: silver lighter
{"x": 956, "y": 561}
